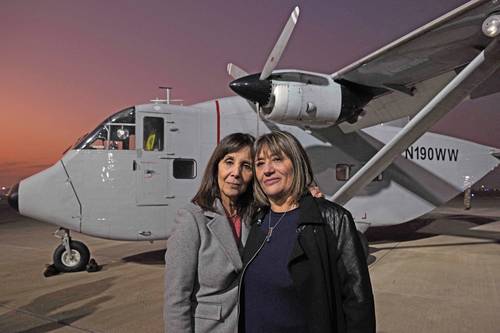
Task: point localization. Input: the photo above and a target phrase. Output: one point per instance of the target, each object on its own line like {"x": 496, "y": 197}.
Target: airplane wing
{"x": 425, "y": 74}
{"x": 479, "y": 70}
{"x": 410, "y": 71}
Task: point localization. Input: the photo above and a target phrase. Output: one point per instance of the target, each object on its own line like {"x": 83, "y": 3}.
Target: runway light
{"x": 491, "y": 26}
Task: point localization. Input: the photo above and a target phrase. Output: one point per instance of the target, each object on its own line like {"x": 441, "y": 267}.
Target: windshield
{"x": 116, "y": 132}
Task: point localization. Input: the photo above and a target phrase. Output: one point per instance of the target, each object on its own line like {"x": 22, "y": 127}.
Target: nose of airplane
{"x": 252, "y": 88}
{"x": 13, "y": 197}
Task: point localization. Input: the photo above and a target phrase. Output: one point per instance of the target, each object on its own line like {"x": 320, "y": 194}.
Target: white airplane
{"x": 126, "y": 179}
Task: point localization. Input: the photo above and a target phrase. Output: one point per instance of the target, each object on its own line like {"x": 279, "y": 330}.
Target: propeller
{"x": 280, "y": 45}
{"x": 257, "y": 88}
{"x": 235, "y": 71}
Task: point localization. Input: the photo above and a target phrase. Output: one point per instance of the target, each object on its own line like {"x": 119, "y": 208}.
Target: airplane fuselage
{"x": 129, "y": 187}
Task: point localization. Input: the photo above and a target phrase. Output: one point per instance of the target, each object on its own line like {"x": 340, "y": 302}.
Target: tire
{"x": 364, "y": 243}
{"x": 81, "y": 257}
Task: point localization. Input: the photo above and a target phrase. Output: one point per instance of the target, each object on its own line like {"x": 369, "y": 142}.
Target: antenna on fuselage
{"x": 169, "y": 89}
{"x": 168, "y": 100}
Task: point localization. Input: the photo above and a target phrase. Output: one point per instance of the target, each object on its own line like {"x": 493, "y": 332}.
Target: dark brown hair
{"x": 208, "y": 191}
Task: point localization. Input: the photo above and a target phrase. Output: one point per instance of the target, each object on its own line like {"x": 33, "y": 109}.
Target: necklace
{"x": 271, "y": 229}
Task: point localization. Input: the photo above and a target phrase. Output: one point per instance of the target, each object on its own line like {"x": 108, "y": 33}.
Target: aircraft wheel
{"x": 79, "y": 259}
{"x": 364, "y": 243}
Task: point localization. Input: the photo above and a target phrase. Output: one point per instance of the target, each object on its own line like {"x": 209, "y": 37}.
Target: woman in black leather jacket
{"x": 305, "y": 270}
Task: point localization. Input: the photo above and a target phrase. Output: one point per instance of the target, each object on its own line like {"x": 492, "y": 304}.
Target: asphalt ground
{"x": 439, "y": 273}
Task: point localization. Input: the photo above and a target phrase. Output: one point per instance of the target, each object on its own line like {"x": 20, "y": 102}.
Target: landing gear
{"x": 70, "y": 256}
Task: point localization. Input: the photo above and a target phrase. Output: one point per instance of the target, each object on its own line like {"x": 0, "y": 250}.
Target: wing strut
{"x": 477, "y": 71}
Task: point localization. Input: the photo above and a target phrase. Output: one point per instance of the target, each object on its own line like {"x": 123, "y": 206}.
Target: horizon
{"x": 67, "y": 66}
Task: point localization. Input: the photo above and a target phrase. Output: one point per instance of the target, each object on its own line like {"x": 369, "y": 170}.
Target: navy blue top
{"x": 270, "y": 302}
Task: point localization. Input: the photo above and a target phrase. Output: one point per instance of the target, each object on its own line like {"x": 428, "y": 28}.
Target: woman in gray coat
{"x": 203, "y": 257}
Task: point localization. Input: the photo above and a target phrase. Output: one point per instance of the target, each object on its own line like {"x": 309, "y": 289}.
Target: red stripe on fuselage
{"x": 217, "y": 109}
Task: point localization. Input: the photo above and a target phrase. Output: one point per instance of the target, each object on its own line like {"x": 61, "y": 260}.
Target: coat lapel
{"x": 245, "y": 230}
{"x": 220, "y": 228}
{"x": 255, "y": 238}
{"x": 308, "y": 214}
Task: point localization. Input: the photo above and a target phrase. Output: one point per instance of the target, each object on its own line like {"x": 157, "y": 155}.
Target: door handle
{"x": 134, "y": 165}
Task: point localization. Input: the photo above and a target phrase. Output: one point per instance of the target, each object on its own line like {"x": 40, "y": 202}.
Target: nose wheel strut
{"x": 70, "y": 255}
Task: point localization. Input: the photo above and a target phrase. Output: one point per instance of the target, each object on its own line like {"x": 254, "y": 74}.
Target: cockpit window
{"x": 300, "y": 77}
{"x": 115, "y": 133}
{"x": 126, "y": 116}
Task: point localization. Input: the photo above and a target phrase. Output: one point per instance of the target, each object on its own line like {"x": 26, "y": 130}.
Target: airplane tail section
{"x": 430, "y": 172}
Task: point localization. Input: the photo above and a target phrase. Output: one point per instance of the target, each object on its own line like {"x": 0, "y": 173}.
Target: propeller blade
{"x": 235, "y": 71}
{"x": 280, "y": 45}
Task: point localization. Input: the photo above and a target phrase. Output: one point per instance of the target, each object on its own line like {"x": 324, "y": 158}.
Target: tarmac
{"x": 439, "y": 273}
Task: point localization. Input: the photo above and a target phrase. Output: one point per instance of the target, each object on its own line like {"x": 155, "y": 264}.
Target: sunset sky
{"x": 65, "y": 65}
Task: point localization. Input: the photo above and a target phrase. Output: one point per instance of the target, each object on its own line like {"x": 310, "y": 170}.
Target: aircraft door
{"x": 185, "y": 140}
{"x": 151, "y": 165}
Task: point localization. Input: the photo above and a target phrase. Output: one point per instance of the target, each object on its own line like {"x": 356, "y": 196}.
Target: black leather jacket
{"x": 328, "y": 268}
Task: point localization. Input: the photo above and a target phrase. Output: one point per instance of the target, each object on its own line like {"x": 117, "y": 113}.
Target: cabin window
{"x": 342, "y": 172}
{"x": 153, "y": 134}
{"x": 184, "y": 168}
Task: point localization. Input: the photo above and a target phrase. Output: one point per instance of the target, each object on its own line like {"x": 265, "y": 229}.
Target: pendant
{"x": 269, "y": 234}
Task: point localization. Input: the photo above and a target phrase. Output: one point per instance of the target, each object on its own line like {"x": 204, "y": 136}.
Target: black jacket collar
{"x": 309, "y": 212}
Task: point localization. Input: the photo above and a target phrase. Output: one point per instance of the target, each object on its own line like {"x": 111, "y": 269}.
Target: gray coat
{"x": 202, "y": 265}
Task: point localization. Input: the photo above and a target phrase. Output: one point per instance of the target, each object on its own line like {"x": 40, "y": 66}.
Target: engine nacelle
{"x": 295, "y": 103}
{"x": 304, "y": 98}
